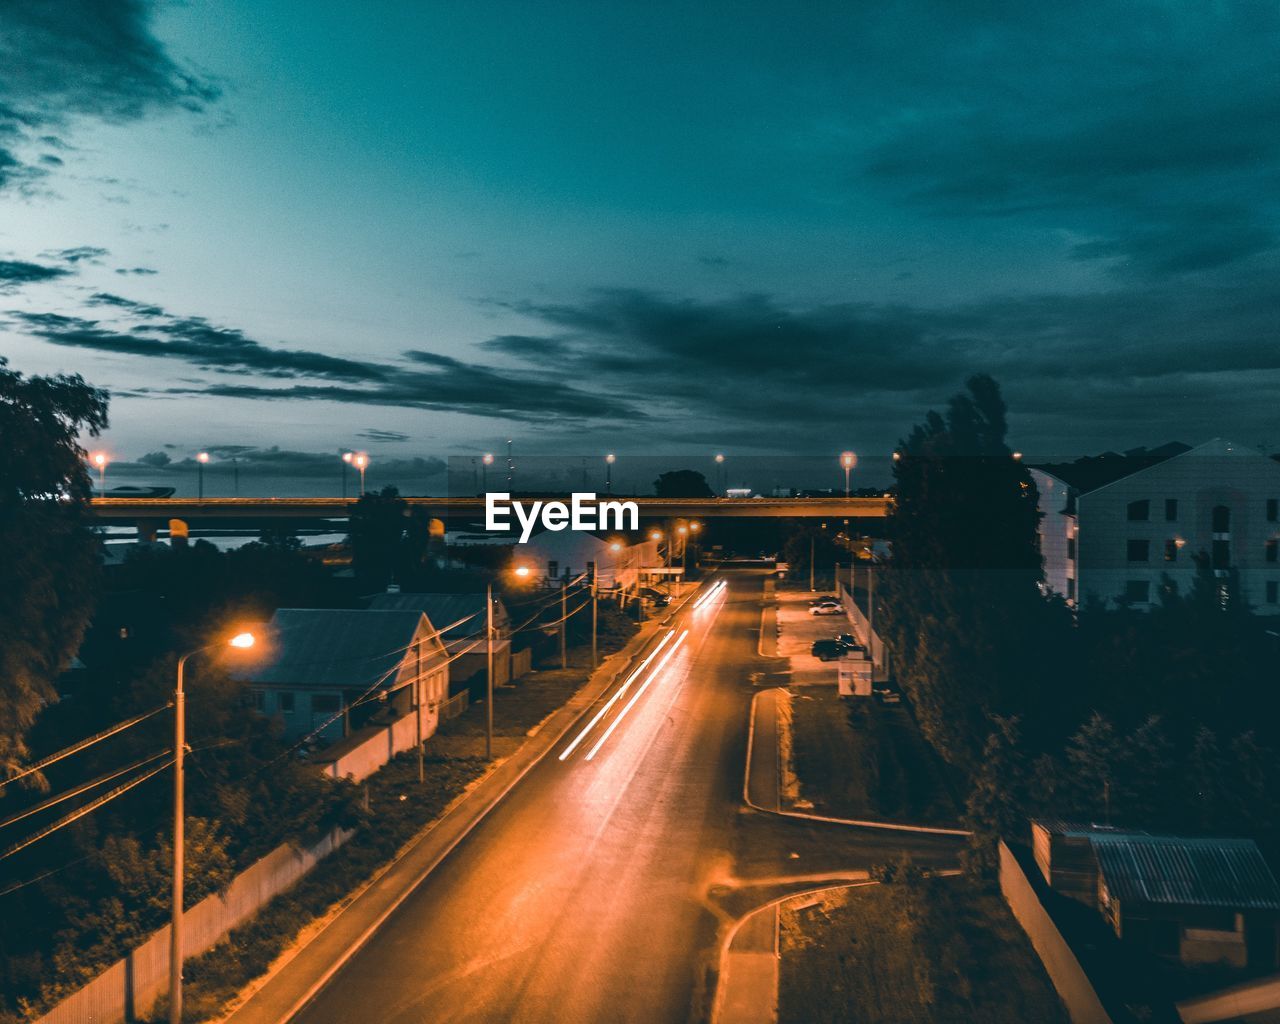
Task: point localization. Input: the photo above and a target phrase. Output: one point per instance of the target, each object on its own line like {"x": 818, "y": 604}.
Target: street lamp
{"x": 241, "y": 641}
{"x": 486, "y": 461}
{"x": 346, "y": 461}
{"x": 361, "y": 461}
{"x": 100, "y": 460}
{"x": 848, "y": 460}
{"x": 609, "y": 460}
{"x": 720, "y": 467}
{"x": 201, "y": 459}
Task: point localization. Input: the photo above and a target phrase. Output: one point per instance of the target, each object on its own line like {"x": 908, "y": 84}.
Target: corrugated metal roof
{"x": 1228, "y": 873}
{"x": 333, "y": 647}
{"x": 1067, "y": 827}
{"x": 444, "y": 610}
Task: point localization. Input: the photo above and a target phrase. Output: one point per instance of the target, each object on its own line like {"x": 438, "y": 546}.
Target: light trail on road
{"x": 620, "y": 691}
{"x": 637, "y": 695}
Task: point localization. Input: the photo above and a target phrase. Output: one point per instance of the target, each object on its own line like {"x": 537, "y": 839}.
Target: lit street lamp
{"x": 100, "y": 460}
{"x": 241, "y": 641}
{"x": 721, "y": 474}
{"x": 848, "y": 460}
{"x": 201, "y": 459}
{"x": 346, "y": 461}
{"x": 485, "y": 462}
{"x": 361, "y": 461}
{"x": 608, "y": 472}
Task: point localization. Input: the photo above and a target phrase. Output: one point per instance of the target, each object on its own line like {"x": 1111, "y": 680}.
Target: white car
{"x": 827, "y": 608}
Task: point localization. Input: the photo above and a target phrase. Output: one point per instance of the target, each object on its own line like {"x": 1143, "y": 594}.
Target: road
{"x": 596, "y": 890}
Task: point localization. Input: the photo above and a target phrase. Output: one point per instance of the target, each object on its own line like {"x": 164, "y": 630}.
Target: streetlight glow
{"x": 243, "y": 640}
{"x": 848, "y": 460}
{"x": 521, "y": 570}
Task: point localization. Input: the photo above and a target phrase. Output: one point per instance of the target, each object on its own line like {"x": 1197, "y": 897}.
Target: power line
{"x": 75, "y": 748}
{"x": 77, "y": 790}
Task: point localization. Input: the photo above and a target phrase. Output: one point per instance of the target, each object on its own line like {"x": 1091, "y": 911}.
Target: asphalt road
{"x": 595, "y": 891}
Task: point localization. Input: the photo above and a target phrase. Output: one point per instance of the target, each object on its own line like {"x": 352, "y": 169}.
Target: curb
{"x": 363, "y": 938}
{"x": 886, "y": 825}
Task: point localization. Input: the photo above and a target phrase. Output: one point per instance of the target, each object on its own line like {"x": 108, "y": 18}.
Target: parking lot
{"x": 797, "y": 630}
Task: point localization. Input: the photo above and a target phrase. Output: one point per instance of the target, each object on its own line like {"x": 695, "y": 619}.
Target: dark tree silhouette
{"x": 682, "y": 483}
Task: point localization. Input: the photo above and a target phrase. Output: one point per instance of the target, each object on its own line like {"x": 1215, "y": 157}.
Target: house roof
{"x": 1228, "y": 873}
{"x": 334, "y": 647}
{"x": 445, "y": 611}
{"x": 1066, "y": 827}
{"x": 1094, "y": 471}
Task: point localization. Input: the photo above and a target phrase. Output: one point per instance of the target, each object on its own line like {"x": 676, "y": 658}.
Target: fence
{"x": 455, "y": 706}
{"x": 368, "y": 749}
{"x": 862, "y": 626}
{"x": 521, "y": 662}
{"x": 1064, "y": 970}
{"x": 129, "y": 988}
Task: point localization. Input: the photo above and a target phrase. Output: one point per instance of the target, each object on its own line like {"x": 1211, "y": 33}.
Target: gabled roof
{"x": 1094, "y": 471}
{"x": 334, "y": 647}
{"x": 445, "y": 611}
{"x": 1226, "y": 873}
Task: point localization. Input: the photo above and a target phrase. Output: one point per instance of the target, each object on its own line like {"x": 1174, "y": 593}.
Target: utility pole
{"x": 564, "y": 622}
{"x": 811, "y": 587}
{"x": 488, "y": 702}
{"x": 417, "y": 690}
{"x": 595, "y": 619}
{"x": 175, "y": 924}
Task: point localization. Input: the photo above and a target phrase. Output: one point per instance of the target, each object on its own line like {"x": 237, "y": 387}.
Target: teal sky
{"x": 642, "y": 227}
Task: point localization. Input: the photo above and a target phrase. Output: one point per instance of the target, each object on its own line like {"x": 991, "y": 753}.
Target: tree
{"x": 378, "y": 524}
{"x": 996, "y": 806}
{"x": 51, "y": 561}
{"x": 964, "y": 616}
{"x": 682, "y": 483}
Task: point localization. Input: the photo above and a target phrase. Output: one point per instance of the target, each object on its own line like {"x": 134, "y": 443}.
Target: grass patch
{"x": 925, "y": 951}
{"x": 858, "y": 759}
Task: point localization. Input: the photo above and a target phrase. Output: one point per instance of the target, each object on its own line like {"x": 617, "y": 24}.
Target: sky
{"x": 275, "y": 230}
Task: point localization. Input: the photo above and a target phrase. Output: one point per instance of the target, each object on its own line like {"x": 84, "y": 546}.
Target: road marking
{"x": 637, "y": 695}
{"x": 618, "y": 693}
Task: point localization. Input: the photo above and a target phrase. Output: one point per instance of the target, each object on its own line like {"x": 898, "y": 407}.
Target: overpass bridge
{"x": 141, "y": 511}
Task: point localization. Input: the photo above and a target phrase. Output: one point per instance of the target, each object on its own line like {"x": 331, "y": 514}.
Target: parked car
{"x": 828, "y": 650}
{"x": 835, "y": 608}
{"x": 656, "y": 597}
{"x": 850, "y": 641}
{"x": 887, "y": 694}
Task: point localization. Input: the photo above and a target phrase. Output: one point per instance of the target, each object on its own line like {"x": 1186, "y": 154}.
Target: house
{"x": 328, "y": 671}
{"x": 1120, "y": 527}
{"x": 616, "y": 565}
{"x": 1193, "y": 900}
{"x": 462, "y": 619}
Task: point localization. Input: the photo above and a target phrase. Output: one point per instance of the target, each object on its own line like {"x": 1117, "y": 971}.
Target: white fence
{"x": 862, "y": 627}
{"x": 368, "y": 749}
{"x": 1064, "y": 970}
{"x": 129, "y": 988}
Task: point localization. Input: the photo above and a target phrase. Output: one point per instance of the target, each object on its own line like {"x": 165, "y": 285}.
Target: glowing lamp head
{"x": 1017, "y": 456}
{"x": 683, "y": 530}
{"x": 615, "y": 547}
{"x": 347, "y": 456}
{"x": 522, "y": 571}
{"x": 202, "y": 458}
{"x": 242, "y": 640}
{"x": 695, "y": 527}
{"x": 656, "y": 535}
{"x": 487, "y": 459}
{"x": 719, "y": 457}
{"x": 362, "y": 460}
{"x": 611, "y": 458}
{"x": 99, "y": 459}
{"x": 848, "y": 460}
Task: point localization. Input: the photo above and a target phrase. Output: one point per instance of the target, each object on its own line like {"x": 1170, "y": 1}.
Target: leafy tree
{"x": 51, "y": 558}
{"x": 682, "y": 483}
{"x": 378, "y": 524}
{"x": 809, "y": 539}
{"x": 964, "y": 616}
{"x": 996, "y": 805}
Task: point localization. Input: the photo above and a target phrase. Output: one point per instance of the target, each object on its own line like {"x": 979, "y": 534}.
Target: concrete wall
{"x": 862, "y": 629}
{"x": 129, "y": 988}
{"x": 521, "y": 662}
{"x": 368, "y": 749}
{"x": 1064, "y": 970}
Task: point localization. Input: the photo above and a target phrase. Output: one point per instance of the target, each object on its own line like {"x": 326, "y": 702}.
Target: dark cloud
{"x": 423, "y": 380}
{"x": 277, "y": 463}
{"x": 387, "y": 436}
{"x": 14, "y": 272}
{"x": 79, "y": 254}
{"x": 84, "y": 58}
{"x": 136, "y": 271}
{"x": 525, "y": 346}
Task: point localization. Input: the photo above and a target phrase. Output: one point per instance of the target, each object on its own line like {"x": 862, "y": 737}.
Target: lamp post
{"x": 608, "y": 472}
{"x": 346, "y": 461}
{"x": 361, "y": 460}
{"x": 100, "y": 460}
{"x": 684, "y": 551}
{"x": 848, "y": 460}
{"x": 241, "y": 641}
{"x": 721, "y": 474}
{"x": 486, "y": 460}
{"x": 488, "y": 699}
{"x": 201, "y": 459}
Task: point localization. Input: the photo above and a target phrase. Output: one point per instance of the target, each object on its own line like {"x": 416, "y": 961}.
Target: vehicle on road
{"x": 850, "y": 641}
{"x": 130, "y": 491}
{"x": 835, "y": 608}
{"x": 656, "y": 597}
{"x": 828, "y": 650}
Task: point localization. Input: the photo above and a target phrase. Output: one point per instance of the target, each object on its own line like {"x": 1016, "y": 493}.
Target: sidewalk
{"x": 297, "y": 979}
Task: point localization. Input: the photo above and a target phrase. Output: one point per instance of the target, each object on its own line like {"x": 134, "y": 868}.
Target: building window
{"x": 1170, "y": 510}
{"x": 1273, "y": 592}
{"x": 1273, "y": 510}
{"x": 1171, "y": 551}
{"x": 258, "y": 700}
{"x": 1139, "y": 550}
{"x": 1222, "y": 554}
{"x": 284, "y": 702}
{"x": 1137, "y": 591}
{"x": 553, "y": 570}
{"x": 1221, "y": 519}
{"x": 1273, "y": 549}
{"x": 1139, "y": 511}
{"x": 1071, "y": 548}
{"x": 325, "y": 703}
